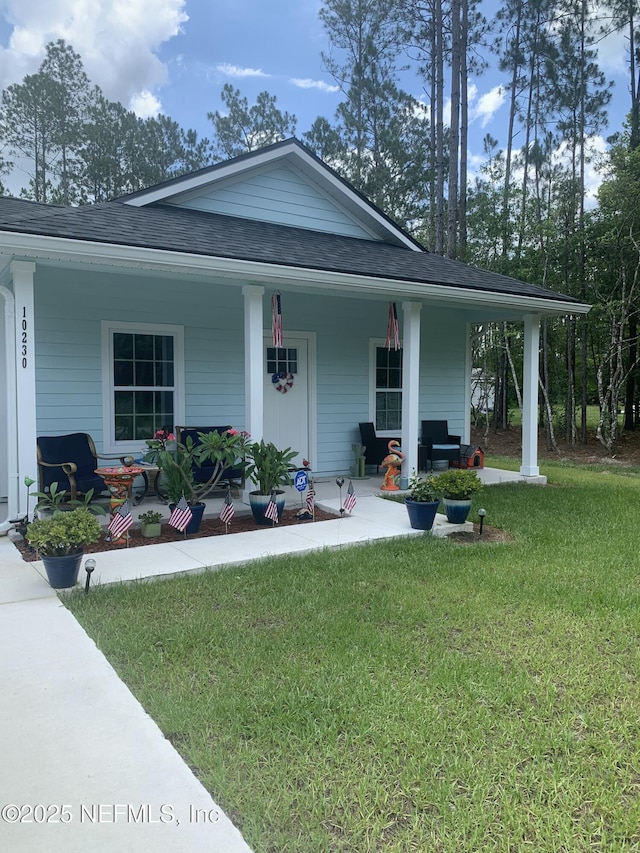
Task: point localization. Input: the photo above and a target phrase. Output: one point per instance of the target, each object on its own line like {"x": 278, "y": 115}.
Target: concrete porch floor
{"x": 372, "y": 519}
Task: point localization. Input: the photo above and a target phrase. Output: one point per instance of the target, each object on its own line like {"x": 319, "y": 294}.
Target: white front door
{"x": 286, "y": 395}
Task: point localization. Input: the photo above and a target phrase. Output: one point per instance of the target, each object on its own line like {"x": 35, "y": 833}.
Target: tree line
{"x": 523, "y": 213}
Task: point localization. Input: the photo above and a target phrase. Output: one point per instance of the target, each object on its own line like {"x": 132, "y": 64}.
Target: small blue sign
{"x": 301, "y": 481}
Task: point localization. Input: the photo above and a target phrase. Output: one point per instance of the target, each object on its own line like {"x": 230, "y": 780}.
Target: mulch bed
{"x": 208, "y": 527}
{"x": 490, "y": 536}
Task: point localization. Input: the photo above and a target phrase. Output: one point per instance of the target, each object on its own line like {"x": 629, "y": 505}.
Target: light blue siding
{"x": 278, "y": 194}
{"x": 71, "y": 305}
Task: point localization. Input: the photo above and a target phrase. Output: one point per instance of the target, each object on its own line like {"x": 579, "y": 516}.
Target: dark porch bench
{"x": 233, "y": 477}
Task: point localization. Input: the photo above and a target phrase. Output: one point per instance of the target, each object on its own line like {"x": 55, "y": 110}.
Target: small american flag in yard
{"x": 311, "y": 499}
{"x": 121, "y": 521}
{"x": 228, "y": 510}
{"x": 271, "y": 511}
{"x": 350, "y": 499}
{"x": 181, "y": 515}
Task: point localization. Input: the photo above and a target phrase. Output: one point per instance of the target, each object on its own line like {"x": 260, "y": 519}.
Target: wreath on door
{"x": 282, "y": 381}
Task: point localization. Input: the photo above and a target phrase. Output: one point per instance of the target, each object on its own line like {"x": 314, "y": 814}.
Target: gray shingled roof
{"x": 194, "y": 232}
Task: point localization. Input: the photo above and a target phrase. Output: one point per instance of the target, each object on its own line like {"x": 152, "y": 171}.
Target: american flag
{"x": 228, "y": 510}
{"x": 311, "y": 499}
{"x": 271, "y": 512}
{"x": 350, "y": 499}
{"x": 121, "y": 520}
{"x": 276, "y": 319}
{"x": 181, "y": 515}
{"x": 392, "y": 328}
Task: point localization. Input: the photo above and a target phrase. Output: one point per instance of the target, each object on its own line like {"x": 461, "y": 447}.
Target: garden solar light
{"x": 481, "y": 513}
{"x": 89, "y": 566}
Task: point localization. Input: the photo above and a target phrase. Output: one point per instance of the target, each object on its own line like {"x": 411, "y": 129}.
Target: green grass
{"x": 416, "y": 695}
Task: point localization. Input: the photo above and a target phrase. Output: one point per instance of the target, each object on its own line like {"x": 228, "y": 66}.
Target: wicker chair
{"x": 376, "y": 447}
{"x": 437, "y": 444}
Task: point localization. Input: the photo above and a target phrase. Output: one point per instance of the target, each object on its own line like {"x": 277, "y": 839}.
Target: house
{"x": 156, "y": 309}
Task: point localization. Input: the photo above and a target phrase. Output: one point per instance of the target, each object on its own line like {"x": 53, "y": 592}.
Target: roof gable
{"x": 285, "y": 184}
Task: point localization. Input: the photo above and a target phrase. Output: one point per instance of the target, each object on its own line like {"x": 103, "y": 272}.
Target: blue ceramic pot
{"x": 259, "y": 504}
{"x": 422, "y": 514}
{"x": 457, "y": 511}
{"x": 197, "y": 511}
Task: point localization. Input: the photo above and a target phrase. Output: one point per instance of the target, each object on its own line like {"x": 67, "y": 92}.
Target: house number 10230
{"x": 25, "y": 337}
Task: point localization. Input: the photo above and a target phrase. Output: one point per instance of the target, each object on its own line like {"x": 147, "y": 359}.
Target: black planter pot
{"x": 259, "y": 504}
{"x": 422, "y": 514}
{"x": 62, "y": 572}
{"x": 197, "y": 511}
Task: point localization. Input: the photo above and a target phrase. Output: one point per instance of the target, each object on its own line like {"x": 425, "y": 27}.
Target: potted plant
{"x": 177, "y": 462}
{"x": 456, "y": 486}
{"x": 150, "y": 525}
{"x": 269, "y": 468}
{"x": 60, "y": 541}
{"x": 422, "y": 501}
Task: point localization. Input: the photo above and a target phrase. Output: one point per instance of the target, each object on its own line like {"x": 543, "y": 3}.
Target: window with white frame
{"x": 143, "y": 391}
{"x": 386, "y": 368}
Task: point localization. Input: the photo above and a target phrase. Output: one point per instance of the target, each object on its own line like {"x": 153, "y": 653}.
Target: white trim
{"x": 374, "y": 343}
{"x": 312, "y": 383}
{"x": 133, "y": 257}
{"x": 11, "y": 421}
{"x": 253, "y": 361}
{"x": 306, "y": 165}
{"x": 24, "y": 326}
{"x": 109, "y": 444}
{"x": 531, "y": 357}
{"x": 410, "y": 385}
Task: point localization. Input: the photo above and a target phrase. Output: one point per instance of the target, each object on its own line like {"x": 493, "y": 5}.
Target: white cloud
{"x": 117, "y": 40}
{"x": 314, "y": 84}
{"x": 235, "y": 71}
{"x": 487, "y": 105}
{"x": 145, "y": 105}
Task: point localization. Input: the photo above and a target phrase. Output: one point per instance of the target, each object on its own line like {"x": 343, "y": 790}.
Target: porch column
{"x": 529, "y": 466}
{"x": 9, "y": 423}
{"x": 253, "y": 361}
{"x": 410, "y": 385}
{"x": 22, "y": 272}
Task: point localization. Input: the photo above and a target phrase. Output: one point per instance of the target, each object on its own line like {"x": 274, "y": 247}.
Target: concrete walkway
{"x": 83, "y": 767}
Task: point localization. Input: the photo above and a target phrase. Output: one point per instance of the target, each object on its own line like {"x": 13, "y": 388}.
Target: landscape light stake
{"x": 89, "y": 566}
{"x": 340, "y": 484}
{"x": 481, "y": 513}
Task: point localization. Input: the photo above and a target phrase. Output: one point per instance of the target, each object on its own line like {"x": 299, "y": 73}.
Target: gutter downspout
{"x": 11, "y": 410}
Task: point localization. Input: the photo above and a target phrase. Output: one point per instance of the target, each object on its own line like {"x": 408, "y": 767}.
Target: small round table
{"x": 119, "y": 481}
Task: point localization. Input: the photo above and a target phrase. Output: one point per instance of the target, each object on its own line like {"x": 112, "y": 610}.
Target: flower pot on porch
{"x": 259, "y": 502}
{"x": 62, "y": 572}
{"x": 197, "y": 511}
{"x": 457, "y": 510}
{"x": 422, "y": 514}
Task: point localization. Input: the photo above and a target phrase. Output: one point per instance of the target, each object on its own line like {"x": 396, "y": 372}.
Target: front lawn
{"x": 416, "y": 695}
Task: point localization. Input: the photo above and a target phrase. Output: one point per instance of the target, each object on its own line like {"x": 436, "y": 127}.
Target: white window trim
{"x": 109, "y": 444}
{"x": 374, "y": 343}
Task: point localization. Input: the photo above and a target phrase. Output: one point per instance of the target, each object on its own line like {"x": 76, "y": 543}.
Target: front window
{"x": 143, "y": 385}
{"x": 143, "y": 392}
{"x": 388, "y": 389}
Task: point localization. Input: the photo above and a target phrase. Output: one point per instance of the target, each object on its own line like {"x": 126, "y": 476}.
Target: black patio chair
{"x": 437, "y": 444}
{"x": 376, "y": 447}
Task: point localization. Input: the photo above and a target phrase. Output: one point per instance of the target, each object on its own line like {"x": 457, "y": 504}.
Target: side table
{"x": 119, "y": 481}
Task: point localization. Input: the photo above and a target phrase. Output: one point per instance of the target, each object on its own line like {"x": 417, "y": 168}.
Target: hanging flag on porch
{"x": 350, "y": 498}
{"x": 393, "y": 334}
{"x": 121, "y": 521}
{"x": 276, "y": 318}
{"x": 181, "y": 515}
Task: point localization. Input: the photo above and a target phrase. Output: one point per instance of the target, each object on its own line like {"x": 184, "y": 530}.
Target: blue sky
{"x": 174, "y": 56}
